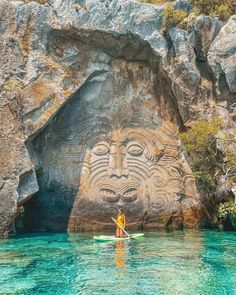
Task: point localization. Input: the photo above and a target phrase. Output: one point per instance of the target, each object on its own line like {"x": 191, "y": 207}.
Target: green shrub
{"x": 200, "y": 143}
{"x": 208, "y": 7}
{"x": 223, "y": 11}
{"x": 201, "y": 136}
{"x": 39, "y": 171}
{"x": 230, "y": 164}
{"x": 13, "y": 85}
{"x": 206, "y": 182}
{"x": 227, "y": 210}
{"x": 172, "y": 17}
{"x": 215, "y": 8}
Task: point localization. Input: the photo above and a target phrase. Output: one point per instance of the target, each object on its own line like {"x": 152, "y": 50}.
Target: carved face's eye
{"x": 135, "y": 149}
{"x": 101, "y": 149}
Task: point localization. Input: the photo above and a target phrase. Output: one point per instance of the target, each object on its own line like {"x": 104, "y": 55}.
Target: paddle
{"x": 121, "y": 228}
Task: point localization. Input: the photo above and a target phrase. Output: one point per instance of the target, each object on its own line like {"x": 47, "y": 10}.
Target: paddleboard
{"x": 114, "y": 238}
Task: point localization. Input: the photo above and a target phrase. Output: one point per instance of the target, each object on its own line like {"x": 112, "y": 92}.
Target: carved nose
{"x": 117, "y": 164}
{"x": 118, "y": 172}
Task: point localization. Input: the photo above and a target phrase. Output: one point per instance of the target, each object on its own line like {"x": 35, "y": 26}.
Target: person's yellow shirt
{"x": 121, "y": 220}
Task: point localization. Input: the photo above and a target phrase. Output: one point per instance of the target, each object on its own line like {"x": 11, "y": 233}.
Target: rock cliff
{"x": 92, "y": 95}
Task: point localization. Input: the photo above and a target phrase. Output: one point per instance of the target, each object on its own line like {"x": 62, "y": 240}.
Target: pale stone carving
{"x": 139, "y": 170}
{"x": 109, "y": 148}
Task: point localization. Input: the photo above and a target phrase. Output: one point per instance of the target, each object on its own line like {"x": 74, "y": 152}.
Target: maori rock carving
{"x": 109, "y": 147}
{"x": 139, "y": 170}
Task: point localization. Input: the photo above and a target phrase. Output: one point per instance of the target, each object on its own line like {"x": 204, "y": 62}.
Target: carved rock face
{"x": 108, "y": 148}
{"x": 138, "y": 170}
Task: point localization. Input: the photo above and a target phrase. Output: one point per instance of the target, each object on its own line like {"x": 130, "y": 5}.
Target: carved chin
{"x": 109, "y": 195}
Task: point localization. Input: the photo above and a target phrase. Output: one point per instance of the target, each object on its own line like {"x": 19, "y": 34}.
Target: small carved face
{"x": 118, "y": 185}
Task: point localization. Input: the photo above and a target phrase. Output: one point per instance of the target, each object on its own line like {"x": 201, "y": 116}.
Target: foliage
{"x": 205, "y": 181}
{"x": 227, "y": 210}
{"x": 231, "y": 162}
{"x": 200, "y": 143}
{"x": 13, "y": 85}
{"x": 223, "y": 11}
{"x": 172, "y": 17}
{"x": 214, "y": 8}
{"x": 200, "y": 138}
{"x": 208, "y": 7}
{"x": 39, "y": 171}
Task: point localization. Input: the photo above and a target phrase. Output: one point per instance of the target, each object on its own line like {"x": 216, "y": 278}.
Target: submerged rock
{"x": 93, "y": 86}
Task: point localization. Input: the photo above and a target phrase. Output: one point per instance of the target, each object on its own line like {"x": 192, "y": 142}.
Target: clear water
{"x": 179, "y": 262}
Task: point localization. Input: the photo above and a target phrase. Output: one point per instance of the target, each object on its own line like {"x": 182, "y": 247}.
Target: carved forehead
{"x": 147, "y": 136}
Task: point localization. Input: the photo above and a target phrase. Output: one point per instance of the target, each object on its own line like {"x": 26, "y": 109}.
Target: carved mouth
{"x": 109, "y": 195}
{"x": 127, "y": 196}
{"x": 130, "y": 195}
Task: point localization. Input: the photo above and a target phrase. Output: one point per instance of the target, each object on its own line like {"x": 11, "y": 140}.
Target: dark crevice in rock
{"x": 168, "y": 107}
{"x": 203, "y": 66}
{"x": 171, "y": 49}
{"x": 205, "y": 70}
{"x": 170, "y": 221}
{"x": 225, "y": 91}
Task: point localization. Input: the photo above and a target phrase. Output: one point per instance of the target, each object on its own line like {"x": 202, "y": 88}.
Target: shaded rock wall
{"x": 50, "y": 51}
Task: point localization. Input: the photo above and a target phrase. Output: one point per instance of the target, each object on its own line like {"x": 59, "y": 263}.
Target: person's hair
{"x": 120, "y": 211}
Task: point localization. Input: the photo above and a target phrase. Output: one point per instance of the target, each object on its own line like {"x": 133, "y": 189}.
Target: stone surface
{"x": 222, "y": 54}
{"x": 204, "y": 32}
{"x": 109, "y": 149}
{"x": 55, "y": 51}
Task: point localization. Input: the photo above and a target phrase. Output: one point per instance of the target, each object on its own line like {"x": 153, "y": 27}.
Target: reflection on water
{"x": 161, "y": 263}
{"x": 120, "y": 255}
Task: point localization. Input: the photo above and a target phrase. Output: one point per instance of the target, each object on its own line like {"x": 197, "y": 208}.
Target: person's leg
{"x": 117, "y": 232}
{"x": 123, "y": 234}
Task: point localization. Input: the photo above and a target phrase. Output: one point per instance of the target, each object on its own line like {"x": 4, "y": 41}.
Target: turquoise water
{"x": 178, "y": 262}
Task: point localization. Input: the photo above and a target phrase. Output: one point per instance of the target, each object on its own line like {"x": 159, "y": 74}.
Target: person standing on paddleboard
{"x": 122, "y": 223}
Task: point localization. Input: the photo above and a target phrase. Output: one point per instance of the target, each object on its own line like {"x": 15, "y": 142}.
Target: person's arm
{"x": 124, "y": 222}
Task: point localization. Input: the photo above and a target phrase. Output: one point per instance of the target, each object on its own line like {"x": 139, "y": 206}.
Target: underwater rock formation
{"x": 92, "y": 85}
